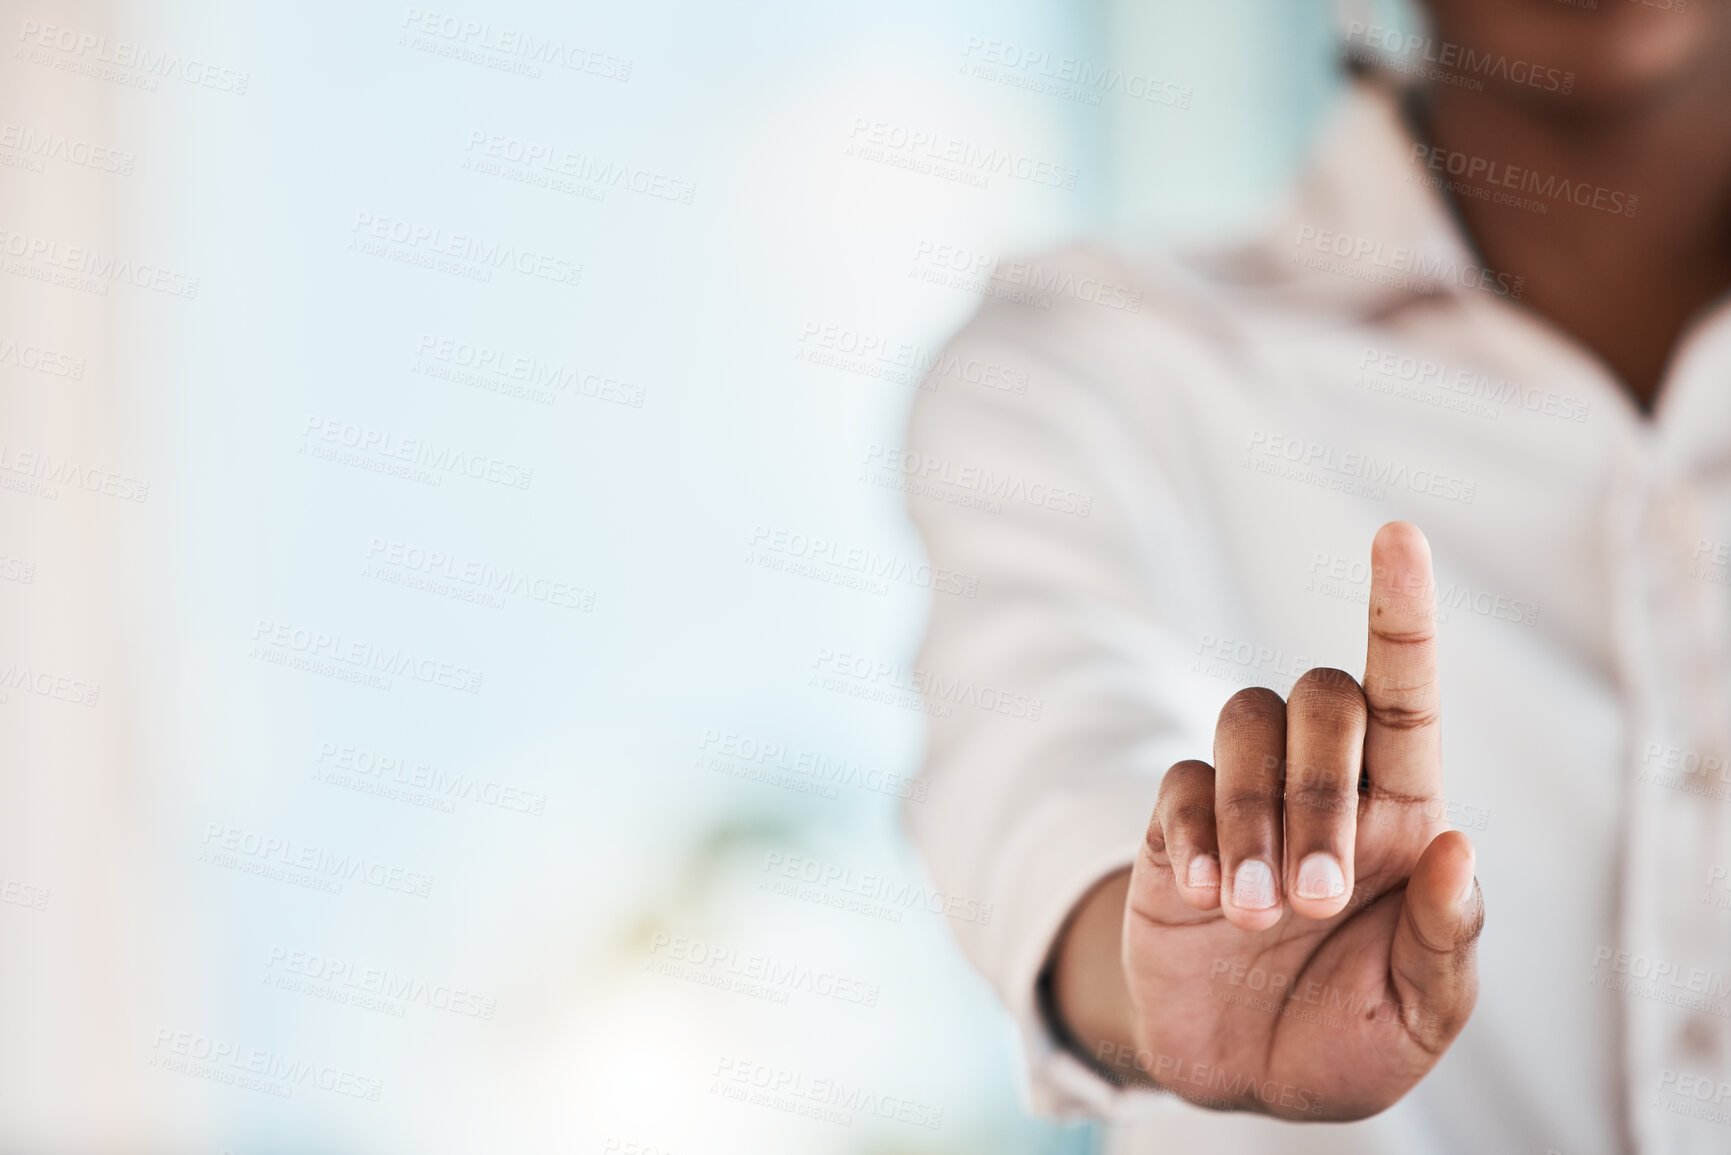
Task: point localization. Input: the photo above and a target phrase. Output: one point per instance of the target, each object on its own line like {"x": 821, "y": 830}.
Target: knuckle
{"x": 1419, "y": 623}
{"x": 1321, "y": 692}
{"x": 1242, "y": 807}
{"x": 1256, "y": 709}
{"x": 1432, "y": 1030}
{"x": 1188, "y": 771}
{"x": 1184, "y": 780}
{"x": 1454, "y": 953}
{"x": 1190, "y": 817}
{"x": 1155, "y": 840}
{"x": 1402, "y": 803}
{"x": 1432, "y": 1023}
{"x": 1398, "y": 682}
{"x": 1400, "y": 715}
{"x": 1322, "y": 798}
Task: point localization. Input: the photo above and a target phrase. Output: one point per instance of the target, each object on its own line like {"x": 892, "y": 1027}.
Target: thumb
{"x": 1433, "y": 959}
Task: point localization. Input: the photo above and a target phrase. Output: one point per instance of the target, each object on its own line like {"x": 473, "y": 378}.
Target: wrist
{"x": 1083, "y": 991}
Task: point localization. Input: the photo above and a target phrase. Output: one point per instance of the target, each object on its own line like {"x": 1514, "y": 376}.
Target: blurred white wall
{"x": 453, "y": 415}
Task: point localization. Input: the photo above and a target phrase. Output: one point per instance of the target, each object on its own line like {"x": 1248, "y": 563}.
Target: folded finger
{"x": 1325, "y": 720}
{"x": 1185, "y": 815}
{"x": 1249, "y": 750}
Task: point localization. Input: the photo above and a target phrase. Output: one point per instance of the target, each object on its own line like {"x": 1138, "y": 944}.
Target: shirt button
{"x": 1674, "y": 513}
{"x": 1700, "y": 1036}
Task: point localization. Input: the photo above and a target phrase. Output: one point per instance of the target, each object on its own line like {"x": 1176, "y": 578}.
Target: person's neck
{"x": 1624, "y": 283}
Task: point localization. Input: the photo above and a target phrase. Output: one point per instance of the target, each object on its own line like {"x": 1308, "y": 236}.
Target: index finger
{"x": 1402, "y": 740}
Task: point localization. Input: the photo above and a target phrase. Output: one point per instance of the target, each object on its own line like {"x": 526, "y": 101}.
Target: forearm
{"x": 1089, "y": 998}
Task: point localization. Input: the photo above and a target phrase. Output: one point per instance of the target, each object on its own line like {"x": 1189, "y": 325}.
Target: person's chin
{"x": 1614, "y": 58}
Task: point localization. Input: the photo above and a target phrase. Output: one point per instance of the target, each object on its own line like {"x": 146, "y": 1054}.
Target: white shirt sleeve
{"x": 1028, "y": 467}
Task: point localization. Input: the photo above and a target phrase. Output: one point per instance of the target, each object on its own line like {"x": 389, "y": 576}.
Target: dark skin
{"x": 1151, "y": 977}
{"x": 1649, "y": 115}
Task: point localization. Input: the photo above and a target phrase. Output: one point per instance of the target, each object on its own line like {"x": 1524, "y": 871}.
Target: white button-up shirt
{"x": 1165, "y": 474}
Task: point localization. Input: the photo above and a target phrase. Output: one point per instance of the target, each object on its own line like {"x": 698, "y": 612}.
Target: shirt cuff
{"x": 1074, "y": 839}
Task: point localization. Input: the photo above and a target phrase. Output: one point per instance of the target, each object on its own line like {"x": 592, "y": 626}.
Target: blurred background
{"x": 437, "y": 453}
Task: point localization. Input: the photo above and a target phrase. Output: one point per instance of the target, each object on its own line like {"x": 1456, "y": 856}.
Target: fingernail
{"x": 1204, "y": 872}
{"x": 1253, "y": 885}
{"x": 1466, "y": 897}
{"x": 1319, "y": 876}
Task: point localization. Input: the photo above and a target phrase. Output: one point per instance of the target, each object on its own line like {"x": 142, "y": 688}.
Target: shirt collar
{"x": 1364, "y": 231}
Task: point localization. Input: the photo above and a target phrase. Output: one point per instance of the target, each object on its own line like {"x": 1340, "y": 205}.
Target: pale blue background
{"x": 703, "y": 306}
